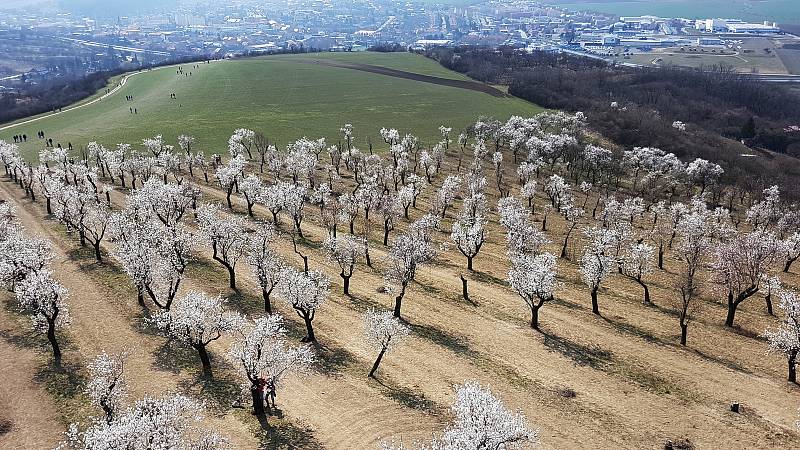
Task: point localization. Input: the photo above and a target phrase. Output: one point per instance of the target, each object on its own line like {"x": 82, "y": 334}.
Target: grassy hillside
{"x": 285, "y": 97}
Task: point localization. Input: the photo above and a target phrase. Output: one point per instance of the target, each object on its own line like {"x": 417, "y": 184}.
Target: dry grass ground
{"x": 616, "y": 381}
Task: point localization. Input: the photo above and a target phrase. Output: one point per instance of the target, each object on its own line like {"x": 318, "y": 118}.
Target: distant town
{"x": 46, "y": 45}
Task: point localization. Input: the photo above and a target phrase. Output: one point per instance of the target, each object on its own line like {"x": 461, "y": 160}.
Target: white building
{"x": 754, "y": 28}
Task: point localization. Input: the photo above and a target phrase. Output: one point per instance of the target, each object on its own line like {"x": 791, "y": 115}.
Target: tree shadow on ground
{"x": 733, "y": 365}
{"x": 484, "y": 277}
{"x": 405, "y": 396}
{"x": 363, "y": 304}
{"x": 457, "y": 344}
{"x": 633, "y": 330}
{"x": 334, "y": 360}
{"x": 568, "y": 304}
{"x": 249, "y": 305}
{"x": 66, "y": 385}
{"x": 278, "y": 433}
{"x": 583, "y": 355}
{"x": 219, "y": 392}
{"x": 174, "y": 357}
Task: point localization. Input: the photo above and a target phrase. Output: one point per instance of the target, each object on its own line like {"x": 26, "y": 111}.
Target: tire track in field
{"x": 380, "y": 70}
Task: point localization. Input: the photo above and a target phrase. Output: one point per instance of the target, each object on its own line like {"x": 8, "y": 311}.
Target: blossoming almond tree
{"x": 383, "y": 332}
{"x": 226, "y": 235}
{"x": 44, "y": 300}
{"x": 264, "y": 262}
{"x": 251, "y": 188}
{"x": 786, "y": 338}
{"x": 107, "y": 387}
{"x": 228, "y": 176}
{"x": 305, "y": 292}
{"x": 406, "y": 253}
{"x": 636, "y": 263}
{"x": 695, "y": 231}
{"x": 20, "y": 256}
{"x": 196, "y": 320}
{"x": 164, "y": 422}
{"x": 264, "y": 359}
{"x": 522, "y": 237}
{"x": 596, "y": 263}
{"x": 345, "y": 251}
{"x": 469, "y": 236}
{"x": 740, "y": 265}
{"x": 533, "y": 277}
{"x": 481, "y": 422}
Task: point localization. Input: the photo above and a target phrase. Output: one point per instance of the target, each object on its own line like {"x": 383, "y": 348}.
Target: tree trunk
{"x": 595, "y": 307}
{"x": 646, "y": 292}
{"x": 258, "y": 401}
{"x": 346, "y": 280}
{"x": 97, "y": 255}
{"x": 398, "y": 301}
{"x": 51, "y": 336}
{"x": 731, "y": 311}
{"x": 309, "y": 330}
{"x": 469, "y": 262}
{"x": 232, "y": 276}
{"x": 786, "y": 267}
{"x": 377, "y": 363}
{"x": 205, "y": 360}
{"x": 535, "y": 317}
{"x": 464, "y": 292}
{"x": 684, "y": 330}
{"x": 768, "y": 301}
{"x": 661, "y": 255}
{"x": 267, "y": 303}
{"x": 792, "y": 367}
{"x": 385, "y": 233}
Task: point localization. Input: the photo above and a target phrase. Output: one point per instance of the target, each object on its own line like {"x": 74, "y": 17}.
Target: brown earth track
{"x": 461, "y": 84}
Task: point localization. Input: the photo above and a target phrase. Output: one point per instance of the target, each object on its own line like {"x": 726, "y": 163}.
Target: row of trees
{"x": 619, "y": 243}
{"x": 543, "y": 167}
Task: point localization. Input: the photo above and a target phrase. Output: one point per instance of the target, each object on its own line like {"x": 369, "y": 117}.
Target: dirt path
{"x": 461, "y": 84}
{"x": 27, "y": 412}
{"x": 104, "y": 317}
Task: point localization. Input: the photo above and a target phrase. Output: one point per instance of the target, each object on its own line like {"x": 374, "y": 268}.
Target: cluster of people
{"x": 129, "y": 98}
{"x": 181, "y": 72}
{"x": 267, "y": 391}
{"x": 20, "y": 138}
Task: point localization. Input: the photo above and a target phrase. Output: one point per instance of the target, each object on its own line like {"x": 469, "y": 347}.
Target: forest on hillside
{"x": 637, "y": 107}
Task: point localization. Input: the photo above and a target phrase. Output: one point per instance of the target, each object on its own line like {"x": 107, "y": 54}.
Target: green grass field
{"x": 280, "y": 96}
